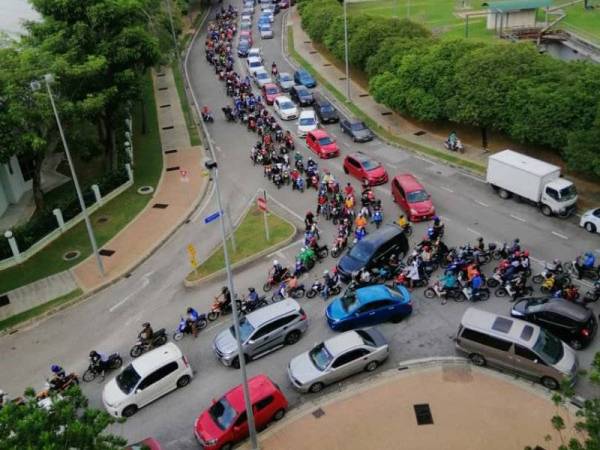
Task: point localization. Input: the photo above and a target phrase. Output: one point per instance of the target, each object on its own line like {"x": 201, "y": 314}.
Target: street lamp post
{"x": 173, "y": 29}
{"x": 212, "y": 166}
{"x": 35, "y": 85}
{"x": 346, "y": 50}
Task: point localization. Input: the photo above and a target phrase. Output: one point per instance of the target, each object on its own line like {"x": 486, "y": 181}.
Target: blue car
{"x": 369, "y": 306}
{"x": 301, "y": 76}
{"x": 263, "y": 20}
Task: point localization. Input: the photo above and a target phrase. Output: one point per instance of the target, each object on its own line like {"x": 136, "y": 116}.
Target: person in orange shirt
{"x": 472, "y": 270}
{"x": 361, "y": 221}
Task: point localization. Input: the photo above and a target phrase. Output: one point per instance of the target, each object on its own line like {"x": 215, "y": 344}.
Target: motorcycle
{"x": 322, "y": 252}
{"x": 297, "y": 293}
{"x": 436, "y": 290}
{"x": 184, "y": 328}
{"x": 249, "y": 306}
{"x": 301, "y": 268}
{"x": 208, "y": 117}
{"x": 540, "y": 277}
{"x": 312, "y": 181}
{"x": 455, "y": 146}
{"x": 481, "y": 295}
{"x": 592, "y": 273}
{"x": 501, "y": 253}
{"x": 408, "y": 229}
{"x": 228, "y": 114}
{"x": 97, "y": 367}
{"x": 278, "y": 180}
{"x": 299, "y": 165}
{"x": 218, "y": 309}
{"x": 509, "y": 290}
{"x": 272, "y": 281}
{"x": 593, "y": 295}
{"x": 159, "y": 338}
{"x": 58, "y": 386}
{"x": 298, "y": 184}
{"x": 338, "y": 246}
{"x": 289, "y": 144}
{"x": 556, "y": 283}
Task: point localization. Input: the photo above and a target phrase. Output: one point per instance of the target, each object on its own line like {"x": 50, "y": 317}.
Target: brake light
{"x": 302, "y": 314}
{"x": 185, "y": 361}
{"x": 585, "y": 332}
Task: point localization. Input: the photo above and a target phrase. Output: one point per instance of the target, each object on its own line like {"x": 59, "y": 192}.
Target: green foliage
{"x": 389, "y": 55}
{"x": 67, "y": 423}
{"x": 316, "y": 20}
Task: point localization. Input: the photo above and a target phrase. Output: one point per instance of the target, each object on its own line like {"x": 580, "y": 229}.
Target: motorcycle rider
{"x": 192, "y": 320}
{"x": 146, "y": 334}
{"x": 588, "y": 263}
{"x": 59, "y": 376}
{"x": 277, "y": 271}
{"x": 99, "y": 360}
{"x": 364, "y": 276}
{"x": 437, "y": 228}
{"x": 361, "y": 220}
{"x": 360, "y": 233}
{"x": 475, "y": 284}
{"x": 252, "y": 295}
{"x": 348, "y": 190}
{"x": 309, "y": 220}
{"x": 206, "y": 114}
{"x": 447, "y": 281}
{"x": 224, "y": 298}
{"x": 480, "y": 245}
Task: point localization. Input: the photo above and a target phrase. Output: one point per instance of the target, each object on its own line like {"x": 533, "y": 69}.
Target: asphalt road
{"x": 110, "y": 320}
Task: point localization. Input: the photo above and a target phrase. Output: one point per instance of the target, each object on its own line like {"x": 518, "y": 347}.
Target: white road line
{"x": 218, "y": 148}
{"x": 296, "y": 215}
{"x": 520, "y": 219}
{"x": 562, "y": 236}
{"x": 482, "y": 204}
{"x": 198, "y": 213}
{"x": 539, "y": 261}
{"x": 474, "y": 231}
{"x": 298, "y": 242}
{"x": 446, "y": 189}
{"x": 145, "y": 282}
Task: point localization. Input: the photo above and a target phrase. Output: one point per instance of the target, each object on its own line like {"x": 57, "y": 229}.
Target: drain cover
{"x": 102, "y": 219}
{"x": 106, "y": 252}
{"x": 71, "y": 255}
{"x": 318, "y": 413}
{"x": 423, "y": 414}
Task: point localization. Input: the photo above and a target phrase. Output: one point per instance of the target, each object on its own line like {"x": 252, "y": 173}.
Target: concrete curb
{"x": 190, "y": 284}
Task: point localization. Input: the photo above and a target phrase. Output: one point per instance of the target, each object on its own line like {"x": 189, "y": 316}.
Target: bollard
{"x": 97, "y": 194}
{"x": 12, "y": 242}
{"x": 129, "y": 171}
{"x": 59, "y": 218}
{"x": 128, "y": 123}
{"x": 128, "y": 150}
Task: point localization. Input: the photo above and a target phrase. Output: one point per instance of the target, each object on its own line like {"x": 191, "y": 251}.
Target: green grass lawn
{"x": 585, "y": 23}
{"x": 120, "y": 211}
{"x": 185, "y": 105}
{"x": 250, "y": 239}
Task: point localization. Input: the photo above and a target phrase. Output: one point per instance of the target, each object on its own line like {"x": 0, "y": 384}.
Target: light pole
{"x": 346, "y": 50}
{"x": 212, "y": 166}
{"x": 35, "y": 85}
{"x": 173, "y": 29}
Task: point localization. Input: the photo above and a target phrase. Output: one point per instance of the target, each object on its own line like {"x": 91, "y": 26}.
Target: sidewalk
{"x": 428, "y": 135}
{"x": 179, "y": 191}
{"x": 471, "y": 409}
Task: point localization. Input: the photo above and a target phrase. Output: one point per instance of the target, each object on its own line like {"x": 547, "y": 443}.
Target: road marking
{"x": 299, "y": 217}
{"x": 198, "y": 213}
{"x": 145, "y": 282}
{"x": 446, "y": 189}
{"x": 562, "y": 236}
{"x": 298, "y": 242}
{"x": 482, "y": 204}
{"x": 218, "y": 148}
{"x": 474, "y": 231}
{"x": 520, "y": 219}
{"x": 539, "y": 261}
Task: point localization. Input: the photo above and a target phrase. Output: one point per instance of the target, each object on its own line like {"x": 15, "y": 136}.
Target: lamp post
{"x": 173, "y": 29}
{"x": 35, "y": 86}
{"x": 346, "y": 50}
{"x": 212, "y": 166}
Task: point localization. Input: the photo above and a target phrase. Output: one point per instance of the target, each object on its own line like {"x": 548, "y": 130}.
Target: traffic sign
{"x": 262, "y": 203}
{"x": 212, "y": 217}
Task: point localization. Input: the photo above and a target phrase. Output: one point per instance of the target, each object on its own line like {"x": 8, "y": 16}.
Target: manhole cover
{"x": 102, "y": 219}
{"x": 145, "y": 190}
{"x": 71, "y": 255}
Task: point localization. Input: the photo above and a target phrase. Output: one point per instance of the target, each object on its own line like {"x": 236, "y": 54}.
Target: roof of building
{"x": 517, "y": 5}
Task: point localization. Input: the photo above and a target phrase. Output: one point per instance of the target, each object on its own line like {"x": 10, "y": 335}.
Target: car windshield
{"x": 568, "y": 193}
{"x": 395, "y": 294}
{"x": 325, "y": 140}
{"x": 417, "y": 196}
{"x": 357, "y": 126}
{"x": 222, "y": 413}
{"x": 128, "y": 379}
{"x": 262, "y": 75}
{"x": 302, "y": 92}
{"x": 271, "y": 90}
{"x": 362, "y": 251}
{"x": 349, "y": 301}
{"x": 287, "y": 105}
{"x": 246, "y": 329}
{"x": 244, "y": 45}
{"x": 255, "y": 63}
{"x": 549, "y": 348}
{"x": 327, "y": 108}
{"x": 285, "y": 77}
{"x": 320, "y": 357}
{"x": 306, "y": 121}
{"x": 369, "y": 164}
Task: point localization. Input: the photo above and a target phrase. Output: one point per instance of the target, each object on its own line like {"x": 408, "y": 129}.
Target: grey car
{"x": 337, "y": 358}
{"x": 357, "y": 130}
{"x": 262, "y": 331}
{"x": 285, "y": 81}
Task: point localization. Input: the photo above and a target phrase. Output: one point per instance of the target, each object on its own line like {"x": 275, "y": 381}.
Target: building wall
{"x": 514, "y": 19}
{"x": 3, "y": 201}
{"x": 12, "y": 182}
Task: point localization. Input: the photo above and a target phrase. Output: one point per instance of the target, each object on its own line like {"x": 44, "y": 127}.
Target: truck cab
{"x": 560, "y": 196}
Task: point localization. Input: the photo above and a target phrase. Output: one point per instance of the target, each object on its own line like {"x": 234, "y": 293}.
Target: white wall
{"x": 514, "y": 19}
{"x": 3, "y": 200}
{"x": 13, "y": 184}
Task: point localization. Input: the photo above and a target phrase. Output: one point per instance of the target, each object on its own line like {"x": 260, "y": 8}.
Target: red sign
{"x": 262, "y": 203}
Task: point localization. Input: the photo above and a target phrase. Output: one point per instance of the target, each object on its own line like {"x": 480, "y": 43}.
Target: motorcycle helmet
{"x": 55, "y": 368}
{"x": 517, "y": 254}
{"x": 526, "y": 254}
{"x": 275, "y": 262}
{"x": 145, "y": 324}
{"x": 93, "y": 354}
{"x": 251, "y": 289}
{"x": 480, "y": 239}
{"x": 189, "y": 310}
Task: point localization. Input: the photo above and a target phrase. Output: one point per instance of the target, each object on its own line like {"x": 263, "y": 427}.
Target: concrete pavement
{"x": 468, "y": 407}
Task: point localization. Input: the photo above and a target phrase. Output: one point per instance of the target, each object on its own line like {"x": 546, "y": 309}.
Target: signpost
{"x": 262, "y": 205}
{"x": 192, "y": 254}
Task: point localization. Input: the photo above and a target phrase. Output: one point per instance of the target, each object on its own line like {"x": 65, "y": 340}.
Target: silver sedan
{"x": 337, "y": 358}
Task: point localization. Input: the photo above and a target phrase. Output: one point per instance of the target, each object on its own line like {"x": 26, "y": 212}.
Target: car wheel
{"x": 504, "y": 194}
{"x": 345, "y": 170}
{"x": 279, "y": 414}
{"x": 477, "y": 359}
{"x": 317, "y": 387}
{"x": 292, "y": 337}
{"x": 227, "y": 446}
{"x": 236, "y": 362}
{"x": 589, "y": 226}
{"x": 546, "y": 210}
{"x": 397, "y": 318}
{"x": 371, "y": 366}
{"x": 576, "y": 344}
{"x": 550, "y": 383}
{"x": 129, "y": 411}
{"x": 183, "y": 381}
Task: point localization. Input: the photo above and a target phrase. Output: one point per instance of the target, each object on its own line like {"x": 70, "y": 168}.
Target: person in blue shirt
{"x": 192, "y": 320}
{"x": 447, "y": 281}
{"x": 589, "y": 260}
{"x": 476, "y": 284}
{"x": 252, "y": 294}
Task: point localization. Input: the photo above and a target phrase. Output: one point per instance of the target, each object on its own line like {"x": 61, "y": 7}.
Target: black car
{"x": 243, "y": 47}
{"x": 325, "y": 110}
{"x": 301, "y": 95}
{"x": 574, "y": 324}
{"x": 373, "y": 250}
{"x": 357, "y": 130}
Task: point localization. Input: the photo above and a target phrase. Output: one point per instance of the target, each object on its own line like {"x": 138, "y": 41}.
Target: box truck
{"x": 529, "y": 179}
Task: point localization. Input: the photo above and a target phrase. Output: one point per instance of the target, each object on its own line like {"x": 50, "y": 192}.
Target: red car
{"x": 224, "y": 423}
{"x": 364, "y": 168}
{"x": 269, "y": 92}
{"x": 319, "y": 142}
{"x": 412, "y": 198}
{"x": 247, "y": 35}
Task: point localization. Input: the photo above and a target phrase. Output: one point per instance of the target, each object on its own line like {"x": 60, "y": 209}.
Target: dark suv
{"x": 325, "y": 110}
{"x": 572, "y": 323}
{"x": 301, "y": 95}
{"x": 373, "y": 250}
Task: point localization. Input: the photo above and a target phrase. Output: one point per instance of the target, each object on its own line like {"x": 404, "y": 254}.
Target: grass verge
{"x": 119, "y": 211}
{"x": 185, "y": 105}
{"x": 250, "y": 239}
{"x": 38, "y": 310}
{"x": 381, "y": 131}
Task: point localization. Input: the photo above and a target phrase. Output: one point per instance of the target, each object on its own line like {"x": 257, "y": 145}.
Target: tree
{"x": 317, "y": 17}
{"x": 389, "y": 55}
{"x": 67, "y": 424}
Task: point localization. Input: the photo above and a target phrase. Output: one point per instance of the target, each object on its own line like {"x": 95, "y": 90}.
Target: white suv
{"x": 285, "y": 108}
{"x": 307, "y": 122}
{"x": 254, "y": 64}
{"x": 145, "y": 379}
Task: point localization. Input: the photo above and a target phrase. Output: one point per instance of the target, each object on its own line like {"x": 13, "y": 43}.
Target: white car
{"x": 285, "y": 81}
{"x": 145, "y": 379}
{"x": 307, "y": 121}
{"x": 590, "y": 220}
{"x": 266, "y": 32}
{"x": 262, "y": 77}
{"x": 255, "y": 52}
{"x": 285, "y": 108}
{"x": 254, "y": 64}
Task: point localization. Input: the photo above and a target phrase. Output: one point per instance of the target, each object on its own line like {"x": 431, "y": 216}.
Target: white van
{"x": 515, "y": 345}
{"x": 145, "y": 379}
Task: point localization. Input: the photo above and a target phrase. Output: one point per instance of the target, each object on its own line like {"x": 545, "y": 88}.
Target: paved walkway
{"x": 179, "y": 190}
{"x": 471, "y": 409}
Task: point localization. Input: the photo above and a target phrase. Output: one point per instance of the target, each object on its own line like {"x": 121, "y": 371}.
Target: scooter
{"x": 184, "y": 328}
{"x": 297, "y": 292}
{"x": 481, "y": 295}
{"x": 436, "y": 290}
{"x": 540, "y": 277}
{"x": 338, "y": 246}
{"x": 272, "y": 281}
{"x": 317, "y": 287}
{"x": 593, "y": 295}
{"x": 58, "y": 386}
{"x": 592, "y": 273}
{"x": 159, "y": 338}
{"x": 218, "y": 309}
{"x": 96, "y": 368}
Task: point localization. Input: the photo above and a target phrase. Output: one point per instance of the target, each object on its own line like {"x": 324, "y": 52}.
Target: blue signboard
{"x": 212, "y": 217}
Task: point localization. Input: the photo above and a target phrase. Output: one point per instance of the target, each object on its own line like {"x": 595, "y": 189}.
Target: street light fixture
{"x": 211, "y": 166}
{"x": 36, "y": 86}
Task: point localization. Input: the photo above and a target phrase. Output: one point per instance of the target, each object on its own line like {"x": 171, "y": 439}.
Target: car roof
{"x": 259, "y": 386}
{"x": 252, "y": 59}
{"x": 284, "y": 98}
{"x": 270, "y": 312}
{"x": 353, "y": 120}
{"x": 255, "y": 50}
{"x": 151, "y": 360}
{"x": 343, "y": 342}
{"x": 519, "y": 331}
{"x": 307, "y": 113}
{"x": 243, "y": 42}
{"x": 318, "y": 133}
{"x": 384, "y": 234}
{"x": 362, "y": 157}
{"x": 566, "y": 308}
{"x": 371, "y": 293}
{"x": 321, "y": 100}
{"x": 271, "y": 85}
{"x": 287, "y": 74}
{"x": 302, "y": 72}
{"x": 260, "y": 71}
{"x": 409, "y": 182}
{"x": 300, "y": 87}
